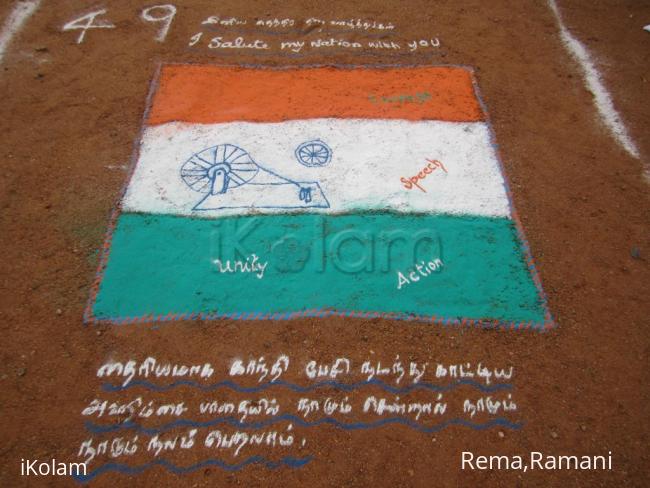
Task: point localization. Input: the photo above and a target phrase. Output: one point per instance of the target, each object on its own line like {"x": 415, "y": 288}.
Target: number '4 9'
{"x": 158, "y": 13}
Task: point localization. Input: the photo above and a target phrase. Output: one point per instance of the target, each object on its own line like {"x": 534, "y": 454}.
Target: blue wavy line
{"x": 304, "y": 389}
{"x": 133, "y": 470}
{"x": 102, "y": 429}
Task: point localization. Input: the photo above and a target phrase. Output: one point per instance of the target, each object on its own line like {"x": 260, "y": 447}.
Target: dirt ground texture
{"x": 71, "y": 114}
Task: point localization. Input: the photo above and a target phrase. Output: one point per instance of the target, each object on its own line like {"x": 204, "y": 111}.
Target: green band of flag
{"x": 468, "y": 267}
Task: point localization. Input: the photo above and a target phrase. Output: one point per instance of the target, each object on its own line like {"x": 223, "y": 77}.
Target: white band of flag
{"x": 369, "y": 163}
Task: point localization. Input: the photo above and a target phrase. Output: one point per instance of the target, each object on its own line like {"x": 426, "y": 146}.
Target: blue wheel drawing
{"x": 216, "y": 169}
{"x": 314, "y": 153}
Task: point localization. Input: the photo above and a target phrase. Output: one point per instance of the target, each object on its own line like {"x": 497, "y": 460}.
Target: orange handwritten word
{"x": 433, "y": 165}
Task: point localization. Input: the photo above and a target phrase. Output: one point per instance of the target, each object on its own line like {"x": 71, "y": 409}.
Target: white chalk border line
{"x": 602, "y": 99}
{"x": 20, "y": 13}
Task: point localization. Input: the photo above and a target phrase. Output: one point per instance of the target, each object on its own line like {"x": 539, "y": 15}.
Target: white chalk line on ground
{"x": 594, "y": 83}
{"x": 20, "y": 13}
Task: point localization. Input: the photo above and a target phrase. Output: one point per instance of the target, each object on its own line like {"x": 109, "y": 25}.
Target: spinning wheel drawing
{"x": 218, "y": 168}
{"x": 230, "y": 178}
{"x": 314, "y": 153}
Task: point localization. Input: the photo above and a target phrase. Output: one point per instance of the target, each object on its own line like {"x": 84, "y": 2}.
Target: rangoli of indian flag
{"x": 261, "y": 193}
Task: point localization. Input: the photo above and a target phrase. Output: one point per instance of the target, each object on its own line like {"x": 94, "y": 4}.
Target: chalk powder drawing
{"x": 231, "y": 179}
{"x": 301, "y": 168}
{"x": 314, "y": 153}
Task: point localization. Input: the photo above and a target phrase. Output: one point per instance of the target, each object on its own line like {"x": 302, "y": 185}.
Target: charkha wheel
{"x": 218, "y": 168}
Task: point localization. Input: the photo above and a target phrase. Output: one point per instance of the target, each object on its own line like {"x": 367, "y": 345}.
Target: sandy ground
{"x": 71, "y": 113}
